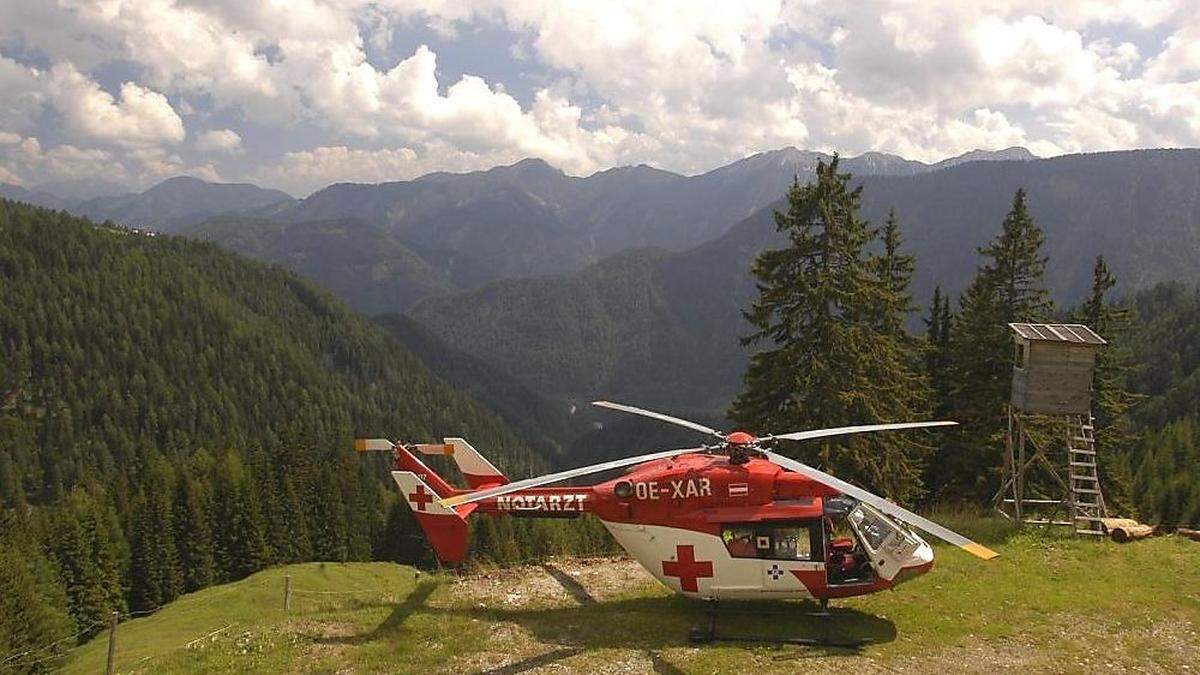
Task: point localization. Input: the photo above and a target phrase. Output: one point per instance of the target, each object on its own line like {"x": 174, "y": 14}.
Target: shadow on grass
{"x": 535, "y": 661}
{"x": 570, "y": 585}
{"x": 414, "y": 602}
{"x": 648, "y": 624}
{"x": 651, "y": 624}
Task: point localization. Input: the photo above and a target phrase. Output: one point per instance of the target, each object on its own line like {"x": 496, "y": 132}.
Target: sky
{"x": 299, "y": 94}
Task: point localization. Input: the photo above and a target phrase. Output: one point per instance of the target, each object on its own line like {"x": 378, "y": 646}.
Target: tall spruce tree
{"x": 83, "y": 544}
{"x": 193, "y": 533}
{"x": 1116, "y": 435}
{"x": 155, "y": 574}
{"x": 34, "y": 623}
{"x": 829, "y": 321}
{"x": 1009, "y": 287}
{"x": 937, "y": 349}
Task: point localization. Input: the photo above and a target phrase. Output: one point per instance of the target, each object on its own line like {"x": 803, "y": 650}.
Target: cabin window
{"x": 1021, "y": 355}
{"x": 791, "y": 540}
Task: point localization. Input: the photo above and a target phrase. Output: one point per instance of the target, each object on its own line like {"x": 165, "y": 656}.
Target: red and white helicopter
{"x": 730, "y": 520}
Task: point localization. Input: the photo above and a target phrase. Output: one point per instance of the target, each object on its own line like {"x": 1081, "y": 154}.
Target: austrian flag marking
{"x": 739, "y": 489}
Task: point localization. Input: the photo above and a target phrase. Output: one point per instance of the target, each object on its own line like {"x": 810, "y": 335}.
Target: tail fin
{"x": 445, "y": 527}
{"x": 478, "y": 471}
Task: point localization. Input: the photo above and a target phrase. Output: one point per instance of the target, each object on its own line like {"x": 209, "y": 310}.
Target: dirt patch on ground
{"x": 555, "y": 583}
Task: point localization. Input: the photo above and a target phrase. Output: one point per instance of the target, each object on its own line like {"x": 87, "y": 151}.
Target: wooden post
{"x": 112, "y": 644}
{"x": 287, "y": 592}
{"x": 1020, "y": 475}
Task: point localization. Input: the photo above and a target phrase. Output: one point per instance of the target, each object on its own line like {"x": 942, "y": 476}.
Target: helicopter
{"x": 730, "y": 519}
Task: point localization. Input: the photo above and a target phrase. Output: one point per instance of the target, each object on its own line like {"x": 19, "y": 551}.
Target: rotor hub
{"x": 740, "y": 438}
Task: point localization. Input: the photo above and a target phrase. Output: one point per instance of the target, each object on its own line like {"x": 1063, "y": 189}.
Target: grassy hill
{"x": 1047, "y": 604}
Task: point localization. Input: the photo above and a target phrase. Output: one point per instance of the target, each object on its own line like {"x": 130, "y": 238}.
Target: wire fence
{"x": 7, "y": 662}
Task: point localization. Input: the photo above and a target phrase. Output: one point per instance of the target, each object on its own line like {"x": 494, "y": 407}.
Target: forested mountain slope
{"x": 546, "y": 424}
{"x": 1167, "y": 347}
{"x": 115, "y": 341}
{"x": 362, "y": 264}
{"x": 172, "y": 415}
{"x": 662, "y": 328}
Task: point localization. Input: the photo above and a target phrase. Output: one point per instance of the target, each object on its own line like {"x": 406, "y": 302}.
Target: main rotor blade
{"x": 694, "y": 426}
{"x": 884, "y": 505}
{"x": 863, "y": 428}
{"x": 469, "y": 497}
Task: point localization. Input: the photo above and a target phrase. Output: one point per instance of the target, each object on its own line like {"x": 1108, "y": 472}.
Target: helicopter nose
{"x": 920, "y": 562}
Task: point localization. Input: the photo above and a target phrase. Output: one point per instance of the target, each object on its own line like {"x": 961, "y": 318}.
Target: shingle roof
{"x": 1058, "y": 332}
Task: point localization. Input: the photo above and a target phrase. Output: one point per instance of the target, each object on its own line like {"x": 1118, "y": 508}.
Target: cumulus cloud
{"x": 137, "y": 118}
{"x": 684, "y": 84}
{"x": 219, "y": 140}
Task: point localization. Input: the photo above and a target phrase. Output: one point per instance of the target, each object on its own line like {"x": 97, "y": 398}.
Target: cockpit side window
{"x": 794, "y": 540}
{"x": 739, "y": 539}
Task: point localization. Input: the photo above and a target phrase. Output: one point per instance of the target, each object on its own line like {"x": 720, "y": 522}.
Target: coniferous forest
{"x": 174, "y": 416}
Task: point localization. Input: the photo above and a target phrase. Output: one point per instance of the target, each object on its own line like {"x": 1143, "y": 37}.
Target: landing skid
{"x": 707, "y": 634}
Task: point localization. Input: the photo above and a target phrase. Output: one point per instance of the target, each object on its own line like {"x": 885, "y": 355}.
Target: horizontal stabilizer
{"x": 373, "y": 445}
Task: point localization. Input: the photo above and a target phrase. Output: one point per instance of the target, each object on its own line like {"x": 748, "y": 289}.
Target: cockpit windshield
{"x": 874, "y": 527}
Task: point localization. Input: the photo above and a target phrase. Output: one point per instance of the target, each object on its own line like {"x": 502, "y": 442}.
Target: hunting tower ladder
{"x": 1051, "y": 399}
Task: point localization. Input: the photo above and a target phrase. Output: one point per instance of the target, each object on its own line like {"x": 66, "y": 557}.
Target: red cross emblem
{"x": 420, "y": 497}
{"x": 687, "y": 568}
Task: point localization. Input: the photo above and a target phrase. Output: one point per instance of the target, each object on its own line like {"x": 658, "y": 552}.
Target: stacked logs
{"x": 1126, "y": 529}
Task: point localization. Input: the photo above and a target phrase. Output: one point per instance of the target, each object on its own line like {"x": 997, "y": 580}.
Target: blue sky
{"x": 303, "y": 93}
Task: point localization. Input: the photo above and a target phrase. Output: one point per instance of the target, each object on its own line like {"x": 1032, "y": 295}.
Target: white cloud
{"x": 684, "y": 84}
{"x": 139, "y": 118}
{"x": 219, "y": 140}
{"x": 25, "y": 159}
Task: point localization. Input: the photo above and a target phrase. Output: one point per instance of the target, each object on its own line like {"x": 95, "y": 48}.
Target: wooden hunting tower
{"x": 1053, "y": 366}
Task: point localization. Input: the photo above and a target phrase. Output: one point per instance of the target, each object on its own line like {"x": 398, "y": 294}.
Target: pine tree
{"x": 329, "y": 536}
{"x": 193, "y": 534}
{"x": 1116, "y": 435}
{"x": 1016, "y": 267}
{"x": 33, "y": 602}
{"x": 1008, "y": 288}
{"x": 155, "y": 573}
{"x": 242, "y": 547}
{"x": 84, "y": 549}
{"x": 829, "y": 318}
{"x": 937, "y": 349}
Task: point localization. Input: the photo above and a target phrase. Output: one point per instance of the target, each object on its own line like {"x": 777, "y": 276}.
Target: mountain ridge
{"x": 675, "y": 317}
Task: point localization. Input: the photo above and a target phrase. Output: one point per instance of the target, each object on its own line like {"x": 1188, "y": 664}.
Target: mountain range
{"x": 630, "y": 282}
{"x": 471, "y": 228}
{"x": 662, "y": 328}
{"x": 167, "y": 207}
